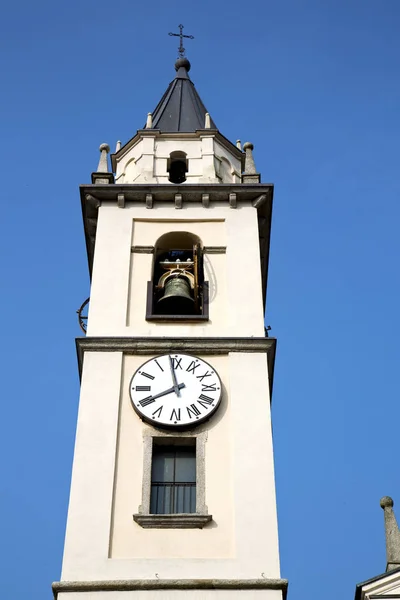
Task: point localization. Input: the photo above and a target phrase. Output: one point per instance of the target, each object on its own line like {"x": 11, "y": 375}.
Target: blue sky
{"x": 315, "y": 86}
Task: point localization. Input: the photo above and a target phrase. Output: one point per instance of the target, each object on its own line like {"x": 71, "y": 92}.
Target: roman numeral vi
{"x": 176, "y": 415}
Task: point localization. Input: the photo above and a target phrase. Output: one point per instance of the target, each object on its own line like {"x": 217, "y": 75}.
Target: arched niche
{"x": 131, "y": 170}
{"x": 177, "y": 167}
{"x": 177, "y": 290}
{"x": 224, "y": 170}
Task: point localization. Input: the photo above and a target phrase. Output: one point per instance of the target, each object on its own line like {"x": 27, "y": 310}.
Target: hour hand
{"x": 165, "y": 392}
{"x": 174, "y": 380}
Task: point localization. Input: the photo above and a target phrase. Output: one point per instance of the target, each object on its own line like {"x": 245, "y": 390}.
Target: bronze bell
{"x": 177, "y": 299}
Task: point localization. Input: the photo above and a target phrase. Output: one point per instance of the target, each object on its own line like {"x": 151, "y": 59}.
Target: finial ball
{"x": 105, "y": 147}
{"x": 182, "y": 62}
{"x": 386, "y": 501}
{"x": 248, "y": 145}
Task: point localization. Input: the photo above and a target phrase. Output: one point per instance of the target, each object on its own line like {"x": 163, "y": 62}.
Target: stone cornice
{"x": 160, "y": 345}
{"x": 203, "y": 345}
{"x": 127, "y": 585}
{"x": 165, "y": 192}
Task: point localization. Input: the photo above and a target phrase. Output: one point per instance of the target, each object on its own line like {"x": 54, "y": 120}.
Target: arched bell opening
{"x": 178, "y": 289}
{"x": 177, "y": 167}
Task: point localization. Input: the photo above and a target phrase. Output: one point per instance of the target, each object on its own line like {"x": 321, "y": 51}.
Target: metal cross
{"x": 181, "y": 49}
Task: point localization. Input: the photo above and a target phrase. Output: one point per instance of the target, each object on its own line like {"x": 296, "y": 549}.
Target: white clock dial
{"x": 175, "y": 390}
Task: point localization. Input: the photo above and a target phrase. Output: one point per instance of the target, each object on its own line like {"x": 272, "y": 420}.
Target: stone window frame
{"x": 195, "y": 520}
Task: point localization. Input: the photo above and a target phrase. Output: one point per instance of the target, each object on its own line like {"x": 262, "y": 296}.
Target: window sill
{"x": 151, "y": 317}
{"x": 178, "y": 521}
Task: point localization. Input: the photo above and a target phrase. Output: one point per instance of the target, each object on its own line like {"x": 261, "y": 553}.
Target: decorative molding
{"x": 92, "y": 201}
{"x": 214, "y": 249}
{"x": 127, "y": 585}
{"x": 178, "y": 521}
{"x": 205, "y": 200}
{"x": 102, "y": 178}
{"x": 148, "y": 345}
{"x": 178, "y": 200}
{"x": 121, "y": 200}
{"x": 143, "y": 249}
{"x": 232, "y": 200}
{"x": 253, "y": 178}
{"x": 149, "y": 200}
{"x": 258, "y": 202}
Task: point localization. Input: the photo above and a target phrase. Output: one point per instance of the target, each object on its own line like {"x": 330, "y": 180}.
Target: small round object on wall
{"x": 175, "y": 390}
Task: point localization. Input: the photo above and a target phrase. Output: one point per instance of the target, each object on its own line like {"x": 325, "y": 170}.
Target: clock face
{"x": 175, "y": 390}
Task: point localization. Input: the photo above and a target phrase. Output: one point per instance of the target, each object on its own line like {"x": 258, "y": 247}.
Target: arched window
{"x": 177, "y": 290}
{"x": 177, "y": 167}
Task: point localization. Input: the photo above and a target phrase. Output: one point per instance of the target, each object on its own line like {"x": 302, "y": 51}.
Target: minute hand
{"x": 168, "y": 391}
{"x": 173, "y": 374}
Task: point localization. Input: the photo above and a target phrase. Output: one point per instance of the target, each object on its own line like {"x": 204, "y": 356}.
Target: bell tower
{"x": 173, "y": 486}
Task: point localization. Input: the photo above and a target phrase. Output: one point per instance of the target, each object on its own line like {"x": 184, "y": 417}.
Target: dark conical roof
{"x": 180, "y": 109}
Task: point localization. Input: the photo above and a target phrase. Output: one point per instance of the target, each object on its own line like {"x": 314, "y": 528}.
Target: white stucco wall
{"x": 119, "y": 283}
{"x": 129, "y": 539}
{"x": 103, "y": 541}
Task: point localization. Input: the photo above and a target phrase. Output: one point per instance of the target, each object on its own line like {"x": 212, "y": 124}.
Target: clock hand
{"x": 174, "y": 380}
{"x": 165, "y": 392}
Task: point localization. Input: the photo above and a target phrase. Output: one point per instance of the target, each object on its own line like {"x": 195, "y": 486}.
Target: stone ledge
{"x": 127, "y": 585}
{"x": 147, "y": 345}
{"x": 143, "y": 249}
{"x": 181, "y": 521}
{"x": 214, "y": 249}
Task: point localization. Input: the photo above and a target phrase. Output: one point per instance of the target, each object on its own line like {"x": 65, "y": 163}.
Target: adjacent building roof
{"x": 181, "y": 108}
{"x": 382, "y": 577}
